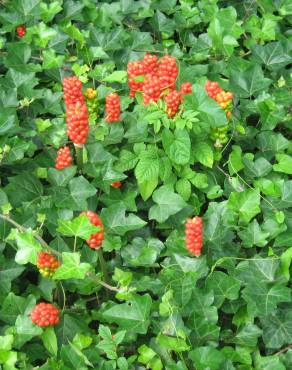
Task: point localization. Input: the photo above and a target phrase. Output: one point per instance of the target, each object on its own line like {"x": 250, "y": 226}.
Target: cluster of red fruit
{"x": 223, "y": 98}
{"x": 156, "y": 78}
{"x": 112, "y": 108}
{"x": 45, "y": 314}
{"x": 47, "y": 264}
{"x": 21, "y": 30}
{"x": 64, "y": 158}
{"x": 194, "y": 235}
{"x": 76, "y": 110}
{"x": 96, "y": 239}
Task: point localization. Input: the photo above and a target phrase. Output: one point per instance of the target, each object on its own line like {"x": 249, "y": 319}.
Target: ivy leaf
{"x": 223, "y": 286}
{"x": 79, "y": 227}
{"x": 284, "y": 165}
{"x": 28, "y": 248}
{"x": 49, "y": 340}
{"x": 204, "y": 154}
{"x": 207, "y": 358}
{"x": 246, "y": 204}
{"x": 81, "y": 190}
{"x": 133, "y": 315}
{"x": 209, "y": 110}
{"x": 253, "y": 235}
{"x": 249, "y": 82}
{"x": 168, "y": 203}
{"x": 116, "y": 76}
{"x": 263, "y": 299}
{"x": 277, "y": 329}
{"x": 177, "y": 145}
{"x": 273, "y": 55}
{"x": 248, "y": 335}
{"x": 115, "y": 220}
{"x": 71, "y": 268}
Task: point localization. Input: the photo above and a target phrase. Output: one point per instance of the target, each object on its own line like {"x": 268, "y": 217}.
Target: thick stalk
{"x": 103, "y": 266}
{"x": 79, "y": 155}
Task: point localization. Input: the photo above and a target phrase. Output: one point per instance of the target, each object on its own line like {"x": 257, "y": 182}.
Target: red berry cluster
{"x": 156, "y": 79}
{"x": 64, "y": 158}
{"x": 173, "y": 100}
{"x": 186, "y": 88}
{"x": 194, "y": 235}
{"x": 96, "y": 239}
{"x": 47, "y": 264}
{"x": 21, "y": 30}
{"x": 76, "y": 110}
{"x": 223, "y": 98}
{"x": 116, "y": 184}
{"x": 45, "y": 314}
{"x": 112, "y": 107}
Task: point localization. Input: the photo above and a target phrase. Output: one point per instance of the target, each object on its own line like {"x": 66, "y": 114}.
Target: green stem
{"x": 79, "y": 155}
{"x": 103, "y": 266}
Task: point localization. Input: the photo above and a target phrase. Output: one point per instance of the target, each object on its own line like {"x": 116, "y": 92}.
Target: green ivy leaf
{"x": 28, "y": 248}
{"x": 50, "y": 340}
{"x": 168, "y": 203}
{"x": 71, "y": 268}
{"x": 79, "y": 227}
{"x": 204, "y": 154}
{"x": 133, "y": 315}
{"x": 246, "y": 204}
{"x": 284, "y": 165}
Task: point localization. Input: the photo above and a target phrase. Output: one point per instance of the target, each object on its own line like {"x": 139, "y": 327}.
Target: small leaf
{"x": 50, "y": 340}
{"x": 28, "y": 247}
{"x": 71, "y": 268}
{"x": 79, "y": 227}
{"x": 204, "y": 154}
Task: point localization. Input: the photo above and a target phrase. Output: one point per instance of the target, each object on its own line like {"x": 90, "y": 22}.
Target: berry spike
{"x": 96, "y": 239}
{"x": 72, "y": 88}
{"x": 186, "y": 88}
{"x": 64, "y": 158}
{"x": 173, "y": 100}
{"x": 77, "y": 122}
{"x": 47, "y": 264}
{"x": 194, "y": 235}
{"x": 45, "y": 314}
{"x": 112, "y": 107}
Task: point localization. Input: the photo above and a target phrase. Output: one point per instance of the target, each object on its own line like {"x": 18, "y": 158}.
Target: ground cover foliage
{"x": 141, "y": 300}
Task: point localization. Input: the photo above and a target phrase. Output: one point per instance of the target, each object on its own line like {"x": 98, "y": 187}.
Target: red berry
{"x": 116, "y": 184}
{"x": 47, "y": 264}
{"x": 186, "y": 88}
{"x": 194, "y": 235}
{"x": 21, "y": 30}
{"x": 173, "y": 100}
{"x": 64, "y": 158}
{"x": 112, "y": 107}
{"x": 96, "y": 239}
{"x": 45, "y": 314}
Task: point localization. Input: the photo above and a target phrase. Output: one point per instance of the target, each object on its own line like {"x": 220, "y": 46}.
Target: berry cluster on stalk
{"x": 64, "y": 158}
{"x": 112, "y": 108}
{"x": 96, "y": 239}
{"x": 194, "y": 235}
{"x": 224, "y": 99}
{"x": 47, "y": 264}
{"x": 21, "y": 31}
{"x": 91, "y": 102}
{"x": 45, "y": 314}
{"x": 156, "y": 79}
{"x": 76, "y": 110}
